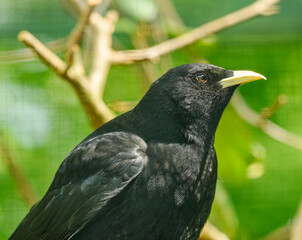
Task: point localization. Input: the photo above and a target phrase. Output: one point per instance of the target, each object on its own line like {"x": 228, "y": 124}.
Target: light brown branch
{"x": 257, "y": 8}
{"x": 210, "y": 232}
{"x": 23, "y": 186}
{"x": 296, "y": 232}
{"x": 267, "y": 126}
{"x": 267, "y": 113}
{"x": 95, "y": 108}
{"x": 47, "y": 56}
{"x": 102, "y": 28}
{"x": 73, "y": 53}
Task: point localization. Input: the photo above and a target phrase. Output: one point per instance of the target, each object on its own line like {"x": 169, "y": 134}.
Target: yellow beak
{"x": 241, "y": 77}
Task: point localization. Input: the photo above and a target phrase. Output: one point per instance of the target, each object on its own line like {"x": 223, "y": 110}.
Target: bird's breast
{"x": 180, "y": 173}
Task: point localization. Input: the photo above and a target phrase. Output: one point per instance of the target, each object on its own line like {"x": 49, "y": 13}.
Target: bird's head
{"x": 195, "y": 93}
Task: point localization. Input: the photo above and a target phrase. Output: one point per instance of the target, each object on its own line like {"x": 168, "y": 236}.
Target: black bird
{"x": 147, "y": 174}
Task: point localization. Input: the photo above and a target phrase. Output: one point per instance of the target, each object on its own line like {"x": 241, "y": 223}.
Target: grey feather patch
{"x": 179, "y": 196}
{"x": 88, "y": 183}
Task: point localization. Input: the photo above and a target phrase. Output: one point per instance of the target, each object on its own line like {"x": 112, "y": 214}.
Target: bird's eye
{"x": 202, "y": 78}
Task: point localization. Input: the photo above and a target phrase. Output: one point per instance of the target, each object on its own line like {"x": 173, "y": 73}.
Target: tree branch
{"x": 96, "y": 109}
{"x": 210, "y": 232}
{"x": 77, "y": 33}
{"x": 267, "y": 113}
{"x": 102, "y": 42}
{"x": 47, "y": 56}
{"x": 257, "y": 8}
{"x": 23, "y": 186}
{"x": 267, "y": 126}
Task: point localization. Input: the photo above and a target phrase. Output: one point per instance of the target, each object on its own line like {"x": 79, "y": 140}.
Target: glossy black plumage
{"x": 147, "y": 174}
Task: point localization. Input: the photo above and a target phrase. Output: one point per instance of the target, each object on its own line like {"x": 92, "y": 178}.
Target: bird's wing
{"x": 93, "y": 173}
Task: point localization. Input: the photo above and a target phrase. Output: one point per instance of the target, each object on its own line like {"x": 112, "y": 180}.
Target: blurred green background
{"x": 41, "y": 119}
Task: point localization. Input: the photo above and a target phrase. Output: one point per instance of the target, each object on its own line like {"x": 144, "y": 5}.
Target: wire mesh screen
{"x": 42, "y": 118}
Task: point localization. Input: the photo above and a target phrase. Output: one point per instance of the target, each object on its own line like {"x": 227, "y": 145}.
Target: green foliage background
{"x": 42, "y": 119}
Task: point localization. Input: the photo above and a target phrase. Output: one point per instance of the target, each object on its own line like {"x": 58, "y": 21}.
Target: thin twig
{"x": 267, "y": 126}
{"x": 23, "y": 186}
{"x": 77, "y": 33}
{"x": 21, "y": 55}
{"x": 267, "y": 113}
{"x": 257, "y": 8}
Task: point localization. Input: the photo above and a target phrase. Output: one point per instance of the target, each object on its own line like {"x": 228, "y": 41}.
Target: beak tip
{"x": 262, "y": 77}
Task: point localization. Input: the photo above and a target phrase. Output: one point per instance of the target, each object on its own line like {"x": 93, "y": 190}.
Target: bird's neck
{"x": 199, "y": 132}
{"x": 170, "y": 126}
